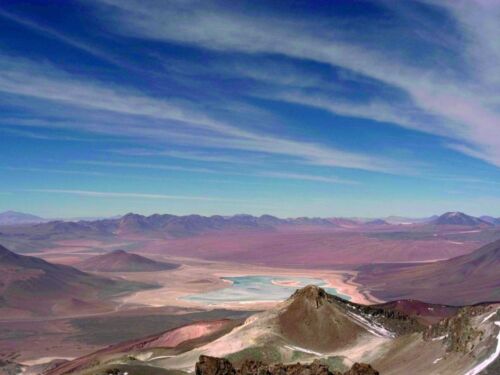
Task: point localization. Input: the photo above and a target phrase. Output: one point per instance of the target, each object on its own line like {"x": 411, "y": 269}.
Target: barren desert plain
{"x": 217, "y": 274}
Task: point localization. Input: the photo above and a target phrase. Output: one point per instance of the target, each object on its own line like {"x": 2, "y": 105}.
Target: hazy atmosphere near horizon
{"x": 261, "y": 187}
{"x": 299, "y": 108}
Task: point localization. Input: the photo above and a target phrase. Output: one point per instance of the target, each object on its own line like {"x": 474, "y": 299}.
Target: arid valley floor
{"x": 243, "y": 269}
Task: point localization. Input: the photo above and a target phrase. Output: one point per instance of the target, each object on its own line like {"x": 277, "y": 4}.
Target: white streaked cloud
{"x": 401, "y": 114}
{"x": 203, "y": 156}
{"x": 51, "y": 137}
{"x": 107, "y": 194}
{"x": 163, "y": 167}
{"x": 71, "y": 41}
{"x": 51, "y": 170}
{"x": 466, "y": 101}
{"x": 173, "y": 121}
{"x": 307, "y": 177}
{"x": 265, "y": 174}
{"x": 82, "y": 173}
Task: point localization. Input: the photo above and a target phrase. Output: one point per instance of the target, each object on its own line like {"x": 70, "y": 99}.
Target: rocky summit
{"x": 315, "y": 333}
{"x": 220, "y": 366}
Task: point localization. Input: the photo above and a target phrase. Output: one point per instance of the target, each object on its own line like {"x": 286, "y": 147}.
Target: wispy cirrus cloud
{"x": 51, "y": 33}
{"x": 308, "y": 177}
{"x": 163, "y": 167}
{"x": 70, "y": 172}
{"x": 47, "y": 137}
{"x": 202, "y": 156}
{"x": 52, "y": 170}
{"x": 107, "y": 194}
{"x": 255, "y": 173}
{"x": 460, "y": 92}
{"x": 173, "y": 121}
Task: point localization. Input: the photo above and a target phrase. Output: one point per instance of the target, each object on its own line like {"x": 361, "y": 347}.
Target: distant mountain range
{"x": 21, "y": 218}
{"x": 466, "y": 279}
{"x": 165, "y": 225}
{"x": 189, "y": 225}
{"x": 192, "y": 224}
{"x": 448, "y": 218}
{"x": 17, "y": 218}
{"x": 376, "y": 222}
{"x": 122, "y": 261}
{"x": 459, "y": 218}
{"x": 30, "y": 285}
{"x": 409, "y": 220}
{"x": 491, "y": 220}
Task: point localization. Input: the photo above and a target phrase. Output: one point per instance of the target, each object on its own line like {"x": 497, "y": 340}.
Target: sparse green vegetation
{"x": 267, "y": 354}
{"x": 335, "y": 363}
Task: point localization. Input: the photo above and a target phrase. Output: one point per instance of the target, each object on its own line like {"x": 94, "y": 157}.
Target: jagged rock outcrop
{"x": 311, "y": 310}
{"x": 220, "y": 366}
{"x": 457, "y": 331}
{"x": 214, "y": 366}
{"x": 361, "y": 369}
{"x": 404, "y": 337}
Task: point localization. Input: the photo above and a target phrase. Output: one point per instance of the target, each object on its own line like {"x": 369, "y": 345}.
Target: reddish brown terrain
{"x": 300, "y": 242}
{"x": 401, "y": 337}
{"x": 467, "y": 279}
{"x": 313, "y": 247}
{"x": 122, "y": 261}
{"x": 180, "y": 339}
{"x": 189, "y": 255}
{"x": 30, "y": 285}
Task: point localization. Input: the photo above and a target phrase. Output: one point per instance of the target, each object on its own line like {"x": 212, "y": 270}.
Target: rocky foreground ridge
{"x": 324, "y": 333}
{"x": 207, "y": 365}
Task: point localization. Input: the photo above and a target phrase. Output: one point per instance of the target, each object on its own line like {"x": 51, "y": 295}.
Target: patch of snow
{"x": 371, "y": 327}
{"x": 480, "y": 367}
{"x": 42, "y": 360}
{"x": 488, "y": 317}
{"x": 437, "y": 360}
{"x": 304, "y": 350}
{"x": 439, "y": 338}
{"x": 144, "y": 356}
{"x": 160, "y": 357}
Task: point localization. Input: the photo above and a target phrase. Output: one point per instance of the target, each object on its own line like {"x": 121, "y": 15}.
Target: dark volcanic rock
{"x": 251, "y": 367}
{"x": 361, "y": 369}
{"x": 457, "y": 331}
{"x": 221, "y": 366}
{"x": 315, "y": 368}
{"x": 214, "y": 366}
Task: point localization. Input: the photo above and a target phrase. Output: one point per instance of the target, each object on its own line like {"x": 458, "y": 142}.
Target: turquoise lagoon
{"x": 258, "y": 288}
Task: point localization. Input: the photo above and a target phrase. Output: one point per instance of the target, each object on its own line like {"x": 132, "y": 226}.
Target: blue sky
{"x": 325, "y": 108}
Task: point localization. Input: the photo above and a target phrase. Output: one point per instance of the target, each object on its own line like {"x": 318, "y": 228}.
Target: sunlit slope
{"x": 394, "y": 337}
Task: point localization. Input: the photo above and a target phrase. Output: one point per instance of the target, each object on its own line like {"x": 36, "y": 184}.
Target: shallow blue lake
{"x": 258, "y": 288}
